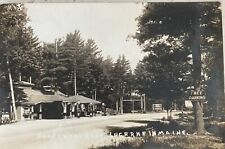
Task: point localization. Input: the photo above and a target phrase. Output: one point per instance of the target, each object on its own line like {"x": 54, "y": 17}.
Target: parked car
{"x": 110, "y": 111}
{"x": 5, "y": 118}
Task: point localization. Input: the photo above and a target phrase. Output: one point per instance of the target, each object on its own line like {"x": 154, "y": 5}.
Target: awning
{"x": 82, "y": 99}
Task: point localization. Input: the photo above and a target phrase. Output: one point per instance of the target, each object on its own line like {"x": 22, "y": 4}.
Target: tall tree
{"x": 121, "y": 77}
{"x": 71, "y": 57}
{"x": 19, "y": 48}
{"x": 163, "y": 72}
{"x": 77, "y": 64}
{"x": 183, "y": 21}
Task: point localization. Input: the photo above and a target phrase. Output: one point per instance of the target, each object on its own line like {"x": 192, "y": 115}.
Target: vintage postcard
{"x": 112, "y": 75}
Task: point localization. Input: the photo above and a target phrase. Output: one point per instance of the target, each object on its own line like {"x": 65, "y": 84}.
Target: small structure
{"x": 157, "y": 107}
{"x": 56, "y": 105}
{"x": 134, "y": 98}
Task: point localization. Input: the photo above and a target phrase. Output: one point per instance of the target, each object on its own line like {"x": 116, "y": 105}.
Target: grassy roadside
{"x": 212, "y": 140}
{"x": 171, "y": 142}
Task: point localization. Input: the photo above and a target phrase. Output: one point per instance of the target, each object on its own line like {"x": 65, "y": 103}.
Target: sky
{"x": 108, "y": 24}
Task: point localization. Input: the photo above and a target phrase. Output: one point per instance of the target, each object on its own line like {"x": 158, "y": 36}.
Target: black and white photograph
{"x": 112, "y": 75}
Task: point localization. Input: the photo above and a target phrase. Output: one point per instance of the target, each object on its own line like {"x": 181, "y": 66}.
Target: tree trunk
{"x": 195, "y": 37}
{"x": 117, "y": 106}
{"x": 199, "y": 122}
{"x": 121, "y": 104}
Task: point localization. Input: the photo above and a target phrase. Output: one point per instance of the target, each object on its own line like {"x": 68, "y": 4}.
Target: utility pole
{"x": 75, "y": 81}
{"x": 12, "y": 90}
{"x": 75, "y": 73}
{"x": 56, "y": 48}
{"x": 95, "y": 95}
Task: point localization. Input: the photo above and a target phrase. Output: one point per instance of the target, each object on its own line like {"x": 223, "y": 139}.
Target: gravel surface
{"x": 74, "y": 133}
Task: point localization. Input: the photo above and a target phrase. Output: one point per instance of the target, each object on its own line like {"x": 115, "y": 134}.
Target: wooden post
{"x": 121, "y": 105}
{"x": 144, "y": 104}
{"x": 40, "y": 111}
{"x": 64, "y": 110}
{"x": 20, "y": 78}
{"x": 141, "y": 104}
{"x": 117, "y": 106}
{"x": 12, "y": 91}
{"x": 72, "y": 109}
{"x": 32, "y": 112}
{"x": 30, "y": 81}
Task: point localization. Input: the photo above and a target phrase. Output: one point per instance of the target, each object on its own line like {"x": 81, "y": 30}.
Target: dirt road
{"x": 74, "y": 133}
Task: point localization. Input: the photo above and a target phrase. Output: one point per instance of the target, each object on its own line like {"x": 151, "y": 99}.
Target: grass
{"x": 187, "y": 142}
{"x": 171, "y": 142}
{"x": 208, "y": 141}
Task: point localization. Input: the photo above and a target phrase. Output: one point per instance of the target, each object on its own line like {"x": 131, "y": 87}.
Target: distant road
{"x": 72, "y": 133}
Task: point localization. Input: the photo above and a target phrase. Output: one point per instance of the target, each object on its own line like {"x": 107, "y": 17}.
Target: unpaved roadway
{"x": 74, "y": 133}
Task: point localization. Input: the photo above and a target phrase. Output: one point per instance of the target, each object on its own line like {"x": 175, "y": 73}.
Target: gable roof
{"x": 36, "y": 96}
{"x": 82, "y": 99}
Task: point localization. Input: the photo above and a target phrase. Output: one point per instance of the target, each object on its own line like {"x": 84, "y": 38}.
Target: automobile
{"x": 110, "y": 111}
{"x": 5, "y": 118}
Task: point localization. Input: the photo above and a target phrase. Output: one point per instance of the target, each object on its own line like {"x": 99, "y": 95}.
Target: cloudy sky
{"x": 109, "y": 24}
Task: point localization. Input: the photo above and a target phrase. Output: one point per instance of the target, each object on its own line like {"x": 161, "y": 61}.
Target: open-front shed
{"x": 38, "y": 105}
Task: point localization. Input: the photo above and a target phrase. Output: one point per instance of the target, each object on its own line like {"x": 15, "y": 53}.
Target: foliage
{"x": 164, "y": 73}
{"x": 18, "y": 43}
{"x": 196, "y": 31}
{"x": 94, "y": 75}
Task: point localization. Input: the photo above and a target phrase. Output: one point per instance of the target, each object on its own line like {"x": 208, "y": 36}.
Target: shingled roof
{"x": 82, "y": 99}
{"x": 36, "y": 96}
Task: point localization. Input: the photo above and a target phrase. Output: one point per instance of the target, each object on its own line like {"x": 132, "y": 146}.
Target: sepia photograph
{"x": 123, "y": 75}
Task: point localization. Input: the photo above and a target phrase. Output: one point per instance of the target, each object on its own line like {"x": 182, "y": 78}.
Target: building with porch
{"x": 51, "y": 104}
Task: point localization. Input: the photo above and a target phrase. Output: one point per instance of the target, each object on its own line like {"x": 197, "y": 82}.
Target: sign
{"x": 197, "y": 96}
{"x": 157, "y": 107}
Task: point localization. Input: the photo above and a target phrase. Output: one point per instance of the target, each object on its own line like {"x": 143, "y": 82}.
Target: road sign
{"x": 197, "y": 95}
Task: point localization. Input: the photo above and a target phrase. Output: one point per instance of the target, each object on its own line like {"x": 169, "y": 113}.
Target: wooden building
{"x": 41, "y": 105}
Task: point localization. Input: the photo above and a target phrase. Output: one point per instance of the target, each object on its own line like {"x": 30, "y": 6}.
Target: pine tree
{"x": 193, "y": 22}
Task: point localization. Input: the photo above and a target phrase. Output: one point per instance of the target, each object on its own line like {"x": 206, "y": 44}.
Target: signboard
{"x": 197, "y": 95}
{"x": 157, "y": 107}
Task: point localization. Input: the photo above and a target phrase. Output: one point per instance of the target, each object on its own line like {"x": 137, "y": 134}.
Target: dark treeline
{"x": 57, "y": 64}
{"x": 183, "y": 43}
{"x": 75, "y": 57}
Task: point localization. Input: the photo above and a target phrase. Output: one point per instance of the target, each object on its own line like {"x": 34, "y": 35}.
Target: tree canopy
{"x": 197, "y": 28}
{"x": 18, "y": 44}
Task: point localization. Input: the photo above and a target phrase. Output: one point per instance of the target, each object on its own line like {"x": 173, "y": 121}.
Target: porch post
{"x": 40, "y": 111}
{"x": 72, "y": 109}
{"x": 32, "y": 112}
{"x": 70, "y": 112}
{"x": 64, "y": 110}
{"x": 142, "y": 104}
